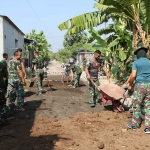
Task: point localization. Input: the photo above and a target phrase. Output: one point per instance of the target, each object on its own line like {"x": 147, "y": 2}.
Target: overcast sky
{"x": 44, "y": 15}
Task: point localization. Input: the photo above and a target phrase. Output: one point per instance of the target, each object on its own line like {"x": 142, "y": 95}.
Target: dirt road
{"x": 62, "y": 120}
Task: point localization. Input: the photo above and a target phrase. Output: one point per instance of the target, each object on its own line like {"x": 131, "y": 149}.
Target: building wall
{"x": 86, "y": 54}
{"x": 1, "y": 38}
{"x": 13, "y": 38}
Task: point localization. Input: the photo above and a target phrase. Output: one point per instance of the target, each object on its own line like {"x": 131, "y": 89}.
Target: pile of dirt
{"x": 62, "y": 119}
{"x": 83, "y": 131}
{"x": 88, "y": 131}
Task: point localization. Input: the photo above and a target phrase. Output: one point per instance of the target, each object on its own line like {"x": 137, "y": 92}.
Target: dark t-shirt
{"x": 93, "y": 67}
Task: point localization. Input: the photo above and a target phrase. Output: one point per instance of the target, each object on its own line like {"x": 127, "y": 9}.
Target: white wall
{"x": 11, "y": 34}
{"x": 1, "y": 38}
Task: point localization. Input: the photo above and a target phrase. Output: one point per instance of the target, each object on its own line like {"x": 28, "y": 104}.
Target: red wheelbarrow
{"x": 112, "y": 92}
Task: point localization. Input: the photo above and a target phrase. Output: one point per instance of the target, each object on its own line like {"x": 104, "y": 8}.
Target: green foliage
{"x": 131, "y": 26}
{"x": 41, "y": 45}
{"x": 71, "y": 43}
{"x": 70, "y": 40}
{"x": 135, "y": 13}
{"x": 117, "y": 51}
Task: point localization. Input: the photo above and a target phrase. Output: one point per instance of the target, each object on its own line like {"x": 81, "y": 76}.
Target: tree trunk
{"x": 135, "y": 37}
{"x": 142, "y": 34}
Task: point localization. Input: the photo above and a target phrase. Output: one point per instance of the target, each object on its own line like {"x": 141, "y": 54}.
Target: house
{"x": 28, "y": 60}
{"x": 83, "y": 52}
{"x": 11, "y": 37}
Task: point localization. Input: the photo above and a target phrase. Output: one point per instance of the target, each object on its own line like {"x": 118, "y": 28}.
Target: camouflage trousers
{"x": 3, "y": 107}
{"x": 39, "y": 75}
{"x": 15, "y": 90}
{"x": 93, "y": 92}
{"x": 77, "y": 79}
{"x": 141, "y": 95}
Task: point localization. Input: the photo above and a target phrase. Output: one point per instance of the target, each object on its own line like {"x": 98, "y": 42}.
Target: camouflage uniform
{"x": 3, "y": 107}
{"x": 78, "y": 73}
{"x": 39, "y": 72}
{"x": 84, "y": 61}
{"x": 14, "y": 88}
{"x": 141, "y": 94}
{"x": 6, "y": 72}
{"x": 21, "y": 87}
{"x": 93, "y": 67}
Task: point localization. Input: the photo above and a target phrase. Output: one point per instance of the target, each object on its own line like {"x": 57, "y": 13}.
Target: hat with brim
{"x": 141, "y": 48}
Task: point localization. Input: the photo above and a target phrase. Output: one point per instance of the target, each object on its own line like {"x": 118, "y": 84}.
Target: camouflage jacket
{"x": 76, "y": 69}
{"x": 13, "y": 67}
{"x": 38, "y": 63}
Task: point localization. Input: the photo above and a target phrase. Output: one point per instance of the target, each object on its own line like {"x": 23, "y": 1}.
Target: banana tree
{"x": 42, "y": 46}
{"x": 117, "y": 49}
{"x": 135, "y": 12}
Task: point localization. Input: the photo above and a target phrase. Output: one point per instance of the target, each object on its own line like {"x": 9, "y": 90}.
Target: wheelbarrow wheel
{"x": 117, "y": 107}
{"x": 121, "y": 108}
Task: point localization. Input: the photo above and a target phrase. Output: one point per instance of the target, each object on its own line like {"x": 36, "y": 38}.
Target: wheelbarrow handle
{"x": 108, "y": 80}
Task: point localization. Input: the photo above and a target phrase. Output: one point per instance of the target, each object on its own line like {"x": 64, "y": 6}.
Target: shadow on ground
{"x": 17, "y": 134}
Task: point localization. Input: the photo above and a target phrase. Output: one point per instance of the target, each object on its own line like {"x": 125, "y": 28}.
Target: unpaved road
{"x": 62, "y": 120}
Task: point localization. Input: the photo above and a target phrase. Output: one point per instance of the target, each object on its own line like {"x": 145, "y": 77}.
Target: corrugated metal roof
{"x": 11, "y": 23}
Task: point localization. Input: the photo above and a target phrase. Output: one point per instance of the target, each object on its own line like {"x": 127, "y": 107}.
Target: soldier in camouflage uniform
{"x": 141, "y": 75}
{"x": 15, "y": 82}
{"x": 19, "y": 50}
{"x": 5, "y": 56}
{"x": 3, "y": 89}
{"x": 38, "y": 65}
{"x": 92, "y": 69}
{"x": 77, "y": 70}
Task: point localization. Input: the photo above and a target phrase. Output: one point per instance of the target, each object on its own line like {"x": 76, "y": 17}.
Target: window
{"x": 16, "y": 43}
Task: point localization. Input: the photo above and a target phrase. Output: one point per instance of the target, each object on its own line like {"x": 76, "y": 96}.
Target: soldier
{"x": 92, "y": 69}
{"x": 19, "y": 50}
{"x": 3, "y": 89}
{"x": 15, "y": 82}
{"x": 141, "y": 74}
{"x": 77, "y": 70}
{"x": 84, "y": 61}
{"x": 5, "y": 57}
{"x": 38, "y": 65}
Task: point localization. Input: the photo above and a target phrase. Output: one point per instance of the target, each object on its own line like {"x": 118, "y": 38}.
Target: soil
{"x": 62, "y": 119}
